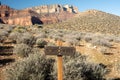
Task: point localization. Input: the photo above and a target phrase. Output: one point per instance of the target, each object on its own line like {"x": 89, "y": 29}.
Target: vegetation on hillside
{"x": 91, "y": 21}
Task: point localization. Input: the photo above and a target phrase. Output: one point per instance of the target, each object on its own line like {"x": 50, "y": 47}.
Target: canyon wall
{"x": 36, "y": 15}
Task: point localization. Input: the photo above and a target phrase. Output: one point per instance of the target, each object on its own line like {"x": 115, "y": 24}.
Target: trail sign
{"x": 58, "y": 50}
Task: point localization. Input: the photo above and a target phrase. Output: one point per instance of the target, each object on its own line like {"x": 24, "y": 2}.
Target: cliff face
{"x": 36, "y": 15}
{"x": 16, "y": 17}
{"x": 46, "y": 9}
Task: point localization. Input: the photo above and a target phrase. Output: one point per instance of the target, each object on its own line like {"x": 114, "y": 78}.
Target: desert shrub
{"x": 22, "y": 50}
{"x": 1, "y": 26}
{"x": 55, "y": 36}
{"x": 20, "y": 29}
{"x": 93, "y": 72}
{"x": 38, "y": 25}
{"x": 82, "y": 34}
{"x": 88, "y": 37}
{"x": 101, "y": 42}
{"x": 51, "y": 44}
{"x": 117, "y": 39}
{"x": 79, "y": 36}
{"x": 41, "y": 43}
{"x": 117, "y": 66}
{"x": 34, "y": 67}
{"x": 41, "y": 35}
{"x": 78, "y": 68}
{"x": 109, "y": 38}
{"x": 3, "y": 32}
{"x": 26, "y": 38}
{"x": 14, "y": 36}
{"x": 73, "y": 72}
{"x": 2, "y": 38}
{"x": 71, "y": 39}
{"x": 103, "y": 50}
{"x": 9, "y": 28}
{"x": 3, "y": 35}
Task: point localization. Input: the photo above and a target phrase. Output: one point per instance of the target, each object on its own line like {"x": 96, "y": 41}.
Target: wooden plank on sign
{"x": 51, "y": 50}
{"x": 67, "y": 51}
{"x": 58, "y": 50}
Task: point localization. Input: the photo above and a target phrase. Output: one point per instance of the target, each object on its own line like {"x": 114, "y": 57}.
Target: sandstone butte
{"x": 36, "y": 15}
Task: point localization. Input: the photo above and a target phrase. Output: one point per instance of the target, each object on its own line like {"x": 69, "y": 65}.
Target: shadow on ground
{"x": 4, "y": 62}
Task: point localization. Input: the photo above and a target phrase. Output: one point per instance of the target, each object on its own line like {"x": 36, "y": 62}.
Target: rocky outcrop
{"x": 18, "y": 17}
{"x": 46, "y": 9}
{"x": 5, "y": 13}
{"x": 24, "y": 17}
{"x": 37, "y": 15}
{"x": 20, "y": 21}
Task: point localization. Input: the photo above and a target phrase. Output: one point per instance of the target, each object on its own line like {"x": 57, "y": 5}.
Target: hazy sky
{"x": 110, "y": 6}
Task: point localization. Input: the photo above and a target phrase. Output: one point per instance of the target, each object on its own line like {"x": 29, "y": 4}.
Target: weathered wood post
{"x": 60, "y": 63}
{"x": 59, "y": 51}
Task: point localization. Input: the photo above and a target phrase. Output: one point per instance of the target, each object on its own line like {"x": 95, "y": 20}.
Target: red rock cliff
{"x": 29, "y": 17}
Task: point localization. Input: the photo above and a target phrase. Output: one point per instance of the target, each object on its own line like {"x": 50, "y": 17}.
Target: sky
{"x": 109, "y": 6}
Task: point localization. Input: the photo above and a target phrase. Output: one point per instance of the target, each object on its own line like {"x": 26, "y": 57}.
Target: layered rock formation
{"x": 36, "y": 15}
{"x": 46, "y": 9}
{"x": 25, "y": 17}
{"x": 17, "y": 17}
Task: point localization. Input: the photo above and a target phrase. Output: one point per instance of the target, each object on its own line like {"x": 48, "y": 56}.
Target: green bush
{"x": 22, "y": 50}
{"x": 34, "y": 67}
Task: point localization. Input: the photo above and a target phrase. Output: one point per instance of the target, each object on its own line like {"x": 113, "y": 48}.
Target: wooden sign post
{"x": 59, "y": 51}
{"x": 59, "y": 62}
